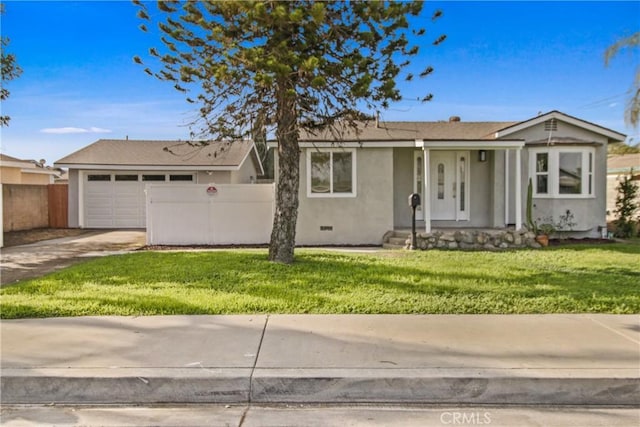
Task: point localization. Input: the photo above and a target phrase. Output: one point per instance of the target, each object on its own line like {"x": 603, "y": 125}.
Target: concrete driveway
{"x": 36, "y": 259}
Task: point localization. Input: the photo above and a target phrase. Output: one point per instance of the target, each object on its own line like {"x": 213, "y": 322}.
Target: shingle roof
{"x": 6, "y": 158}
{"x": 386, "y": 131}
{"x": 159, "y": 153}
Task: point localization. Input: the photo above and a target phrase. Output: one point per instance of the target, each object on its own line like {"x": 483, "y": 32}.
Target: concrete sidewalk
{"x": 429, "y": 359}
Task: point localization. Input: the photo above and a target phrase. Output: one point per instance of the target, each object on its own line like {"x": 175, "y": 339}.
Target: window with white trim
{"x": 562, "y": 172}
{"x": 331, "y": 173}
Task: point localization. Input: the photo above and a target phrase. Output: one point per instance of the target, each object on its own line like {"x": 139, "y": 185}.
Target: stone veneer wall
{"x": 475, "y": 240}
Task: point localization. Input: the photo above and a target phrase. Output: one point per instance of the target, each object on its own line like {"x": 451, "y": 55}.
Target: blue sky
{"x": 501, "y": 61}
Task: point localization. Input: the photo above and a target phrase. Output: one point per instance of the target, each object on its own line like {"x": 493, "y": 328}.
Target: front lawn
{"x": 570, "y": 279}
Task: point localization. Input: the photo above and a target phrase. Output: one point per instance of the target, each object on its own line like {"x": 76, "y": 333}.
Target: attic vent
{"x": 551, "y": 125}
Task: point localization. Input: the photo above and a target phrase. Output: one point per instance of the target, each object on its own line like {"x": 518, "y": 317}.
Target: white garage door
{"x": 117, "y": 199}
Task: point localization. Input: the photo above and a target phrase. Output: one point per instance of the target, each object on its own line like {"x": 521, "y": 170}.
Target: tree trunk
{"x": 283, "y": 235}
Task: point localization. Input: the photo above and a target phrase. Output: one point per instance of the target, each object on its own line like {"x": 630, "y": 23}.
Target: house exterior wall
{"x": 496, "y": 161}
{"x": 74, "y": 198}
{"x": 216, "y": 177}
{"x": 10, "y": 175}
{"x": 354, "y": 220}
{"x": 15, "y": 175}
{"x": 589, "y": 212}
{"x": 613, "y": 180}
{"x": 37, "y": 179}
{"x": 246, "y": 173}
{"x": 402, "y": 186}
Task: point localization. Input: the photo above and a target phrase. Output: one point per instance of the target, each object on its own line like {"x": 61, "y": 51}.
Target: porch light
{"x": 482, "y": 155}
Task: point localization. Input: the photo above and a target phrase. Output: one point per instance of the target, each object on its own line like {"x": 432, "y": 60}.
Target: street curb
{"x": 238, "y": 385}
{"x": 132, "y": 386}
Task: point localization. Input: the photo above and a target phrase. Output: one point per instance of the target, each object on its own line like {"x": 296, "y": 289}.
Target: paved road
{"x": 36, "y": 259}
{"x": 311, "y": 416}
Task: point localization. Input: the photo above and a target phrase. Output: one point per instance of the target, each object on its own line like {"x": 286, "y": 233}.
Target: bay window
{"x": 562, "y": 172}
{"x": 331, "y": 173}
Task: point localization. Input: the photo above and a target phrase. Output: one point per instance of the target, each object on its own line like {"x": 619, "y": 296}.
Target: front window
{"x": 562, "y": 172}
{"x": 570, "y": 173}
{"x": 542, "y": 173}
{"x": 331, "y": 173}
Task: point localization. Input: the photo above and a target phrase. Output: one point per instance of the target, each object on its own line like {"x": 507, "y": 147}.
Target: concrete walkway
{"x": 36, "y": 259}
{"x": 426, "y": 359}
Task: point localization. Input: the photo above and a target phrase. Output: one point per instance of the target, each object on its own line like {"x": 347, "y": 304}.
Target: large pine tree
{"x": 291, "y": 65}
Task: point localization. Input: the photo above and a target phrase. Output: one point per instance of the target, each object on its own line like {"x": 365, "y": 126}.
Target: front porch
{"x": 488, "y": 239}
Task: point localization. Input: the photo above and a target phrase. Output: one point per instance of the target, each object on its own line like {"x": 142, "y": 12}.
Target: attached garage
{"x": 116, "y": 199}
{"x": 107, "y": 179}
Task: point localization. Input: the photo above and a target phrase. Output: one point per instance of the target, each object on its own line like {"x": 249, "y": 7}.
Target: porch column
{"x": 518, "y": 192}
{"x": 506, "y": 187}
{"x": 426, "y": 193}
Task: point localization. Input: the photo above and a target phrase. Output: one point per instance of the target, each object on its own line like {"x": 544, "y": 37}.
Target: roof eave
{"x": 612, "y": 135}
{"x": 486, "y": 144}
{"x": 88, "y": 166}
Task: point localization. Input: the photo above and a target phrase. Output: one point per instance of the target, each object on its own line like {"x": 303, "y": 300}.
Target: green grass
{"x": 570, "y": 279}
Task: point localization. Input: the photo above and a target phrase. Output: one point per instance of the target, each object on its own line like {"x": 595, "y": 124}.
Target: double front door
{"x": 448, "y": 192}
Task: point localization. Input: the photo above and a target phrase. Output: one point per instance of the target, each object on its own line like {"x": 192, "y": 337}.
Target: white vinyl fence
{"x": 223, "y": 214}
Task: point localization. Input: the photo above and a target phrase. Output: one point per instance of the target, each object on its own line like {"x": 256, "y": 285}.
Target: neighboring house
{"x": 16, "y": 171}
{"x": 107, "y": 178}
{"x": 354, "y": 187}
{"x": 619, "y": 166}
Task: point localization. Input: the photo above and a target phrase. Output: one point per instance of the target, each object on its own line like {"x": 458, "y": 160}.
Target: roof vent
{"x": 551, "y": 125}
{"x": 453, "y": 119}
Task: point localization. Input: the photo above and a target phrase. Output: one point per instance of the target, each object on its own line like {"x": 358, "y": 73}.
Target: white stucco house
{"x": 107, "y": 179}
{"x": 354, "y": 185}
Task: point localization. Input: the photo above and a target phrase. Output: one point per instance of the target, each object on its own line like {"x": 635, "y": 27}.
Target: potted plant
{"x": 544, "y": 230}
{"x": 541, "y": 231}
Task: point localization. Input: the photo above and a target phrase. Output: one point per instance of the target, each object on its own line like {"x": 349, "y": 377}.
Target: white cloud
{"x": 99, "y": 130}
{"x": 66, "y": 130}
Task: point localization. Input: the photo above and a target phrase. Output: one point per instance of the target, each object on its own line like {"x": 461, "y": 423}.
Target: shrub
{"x": 626, "y": 207}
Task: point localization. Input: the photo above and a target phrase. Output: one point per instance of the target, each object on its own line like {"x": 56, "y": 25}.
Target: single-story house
{"x": 17, "y": 171}
{"x": 354, "y": 186}
{"x": 107, "y": 178}
{"x": 619, "y": 166}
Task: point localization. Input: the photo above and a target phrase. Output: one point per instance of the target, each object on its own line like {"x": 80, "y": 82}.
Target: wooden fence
{"x": 58, "y": 205}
